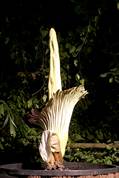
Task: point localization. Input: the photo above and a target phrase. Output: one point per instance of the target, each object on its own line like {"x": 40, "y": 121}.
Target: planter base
{"x": 72, "y": 169}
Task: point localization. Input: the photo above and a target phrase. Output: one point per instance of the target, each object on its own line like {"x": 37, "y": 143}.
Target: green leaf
{"x": 29, "y": 103}
{"x": 72, "y": 50}
{"x": 12, "y": 128}
{"x": 44, "y": 98}
{"x": 1, "y": 109}
{"x": 5, "y": 122}
{"x": 13, "y": 123}
{"x": 111, "y": 80}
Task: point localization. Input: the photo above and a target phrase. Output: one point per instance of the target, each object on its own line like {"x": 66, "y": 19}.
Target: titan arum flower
{"x": 55, "y": 117}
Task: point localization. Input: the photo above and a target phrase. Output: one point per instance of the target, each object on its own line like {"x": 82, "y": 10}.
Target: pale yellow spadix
{"x": 54, "y": 82}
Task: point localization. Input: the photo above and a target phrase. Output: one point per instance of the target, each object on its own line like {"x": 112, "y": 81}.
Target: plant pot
{"x": 72, "y": 169}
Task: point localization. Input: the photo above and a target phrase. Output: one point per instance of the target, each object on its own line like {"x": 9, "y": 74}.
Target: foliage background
{"x": 89, "y": 48}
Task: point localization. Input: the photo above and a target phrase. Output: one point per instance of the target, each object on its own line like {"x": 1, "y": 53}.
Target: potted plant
{"x": 55, "y": 119}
